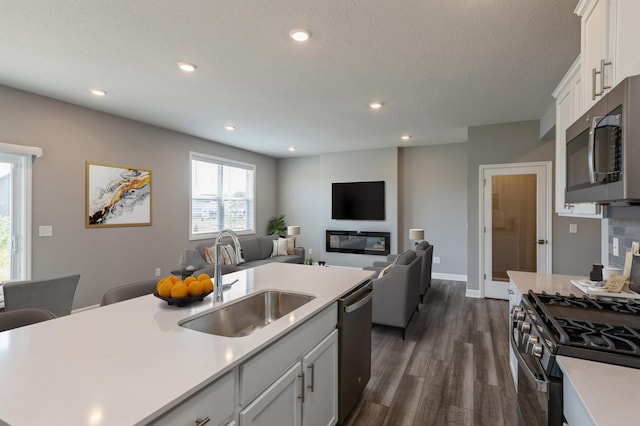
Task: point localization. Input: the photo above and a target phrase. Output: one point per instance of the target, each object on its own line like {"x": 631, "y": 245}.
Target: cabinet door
{"x": 320, "y": 366}
{"x": 514, "y": 300}
{"x": 597, "y": 33}
{"x": 628, "y": 33}
{"x": 215, "y": 402}
{"x": 279, "y": 405}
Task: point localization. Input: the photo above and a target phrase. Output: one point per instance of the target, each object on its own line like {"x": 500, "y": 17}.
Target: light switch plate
{"x": 45, "y": 231}
{"x": 573, "y": 228}
{"x": 616, "y": 247}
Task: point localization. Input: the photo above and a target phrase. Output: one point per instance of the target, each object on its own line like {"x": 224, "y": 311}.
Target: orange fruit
{"x": 160, "y": 281}
{"x": 207, "y": 286}
{"x": 189, "y": 280}
{"x": 203, "y": 277}
{"x": 195, "y": 288}
{"x": 164, "y": 289}
{"x": 179, "y": 290}
{"x": 173, "y": 278}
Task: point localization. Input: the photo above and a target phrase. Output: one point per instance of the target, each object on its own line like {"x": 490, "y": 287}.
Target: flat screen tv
{"x": 357, "y": 200}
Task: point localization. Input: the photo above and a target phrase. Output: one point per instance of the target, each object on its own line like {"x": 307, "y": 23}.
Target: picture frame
{"x": 117, "y": 196}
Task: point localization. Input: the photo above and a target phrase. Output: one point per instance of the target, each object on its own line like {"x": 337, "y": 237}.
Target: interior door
{"x": 516, "y": 228}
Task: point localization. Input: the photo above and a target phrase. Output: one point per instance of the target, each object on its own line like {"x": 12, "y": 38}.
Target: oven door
{"x": 539, "y": 396}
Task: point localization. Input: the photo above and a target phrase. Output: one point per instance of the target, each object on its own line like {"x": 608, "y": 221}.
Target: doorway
{"x": 515, "y": 206}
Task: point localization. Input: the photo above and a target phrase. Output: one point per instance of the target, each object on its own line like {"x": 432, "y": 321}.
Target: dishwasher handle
{"x": 365, "y": 297}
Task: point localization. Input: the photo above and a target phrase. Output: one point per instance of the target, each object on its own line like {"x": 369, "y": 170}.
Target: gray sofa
{"x": 396, "y": 295}
{"x": 256, "y": 251}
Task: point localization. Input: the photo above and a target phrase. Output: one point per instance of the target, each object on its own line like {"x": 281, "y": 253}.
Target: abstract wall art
{"x": 117, "y": 196}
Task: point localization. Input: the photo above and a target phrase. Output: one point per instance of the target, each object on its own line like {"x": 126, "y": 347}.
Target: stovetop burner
{"x": 600, "y": 336}
{"x": 599, "y": 328}
{"x": 630, "y": 306}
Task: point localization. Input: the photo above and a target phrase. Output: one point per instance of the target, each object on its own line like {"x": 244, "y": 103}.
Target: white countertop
{"x": 608, "y": 392}
{"x": 549, "y": 283}
{"x": 125, "y": 363}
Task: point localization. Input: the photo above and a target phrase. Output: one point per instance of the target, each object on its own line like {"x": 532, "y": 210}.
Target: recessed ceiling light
{"x": 292, "y": 148}
{"x": 230, "y": 127}
{"x": 375, "y": 105}
{"x": 300, "y": 35}
{"x": 405, "y": 137}
{"x": 98, "y": 92}
{"x": 186, "y": 66}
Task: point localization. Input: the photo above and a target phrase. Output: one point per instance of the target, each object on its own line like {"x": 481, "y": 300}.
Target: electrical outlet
{"x": 158, "y": 272}
{"x": 436, "y": 259}
{"x": 573, "y": 228}
{"x": 310, "y": 251}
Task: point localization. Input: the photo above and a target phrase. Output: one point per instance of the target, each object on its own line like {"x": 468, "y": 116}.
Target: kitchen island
{"x": 131, "y": 362}
{"x": 594, "y": 393}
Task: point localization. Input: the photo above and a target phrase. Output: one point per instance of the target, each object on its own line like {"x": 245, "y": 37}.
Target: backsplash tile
{"x": 627, "y": 231}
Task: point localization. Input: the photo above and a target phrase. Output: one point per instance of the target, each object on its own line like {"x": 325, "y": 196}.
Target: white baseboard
{"x": 86, "y": 308}
{"x": 473, "y": 293}
{"x": 450, "y": 277}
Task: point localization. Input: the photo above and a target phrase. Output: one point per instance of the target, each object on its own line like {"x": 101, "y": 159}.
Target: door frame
{"x": 481, "y": 216}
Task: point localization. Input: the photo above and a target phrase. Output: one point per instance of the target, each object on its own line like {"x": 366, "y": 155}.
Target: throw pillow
{"x": 279, "y": 248}
{"x": 210, "y": 255}
{"x": 291, "y": 243}
{"x": 385, "y": 271}
{"x": 228, "y": 255}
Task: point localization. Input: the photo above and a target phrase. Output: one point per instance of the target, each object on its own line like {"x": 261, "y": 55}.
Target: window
{"x": 222, "y": 196}
{"x": 15, "y": 210}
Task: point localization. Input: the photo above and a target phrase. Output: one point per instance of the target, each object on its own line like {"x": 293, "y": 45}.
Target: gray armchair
{"x": 396, "y": 295}
{"x": 423, "y": 250}
{"x": 54, "y": 295}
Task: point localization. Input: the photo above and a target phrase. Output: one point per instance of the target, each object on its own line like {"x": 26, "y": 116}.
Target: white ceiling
{"x": 438, "y": 66}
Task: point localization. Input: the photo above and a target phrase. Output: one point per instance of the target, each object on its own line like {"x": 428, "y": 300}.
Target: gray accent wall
{"x": 305, "y": 198}
{"x": 517, "y": 143}
{"x": 70, "y": 136}
{"x": 427, "y": 189}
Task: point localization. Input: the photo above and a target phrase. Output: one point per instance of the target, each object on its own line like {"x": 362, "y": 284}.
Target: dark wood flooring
{"x": 452, "y": 369}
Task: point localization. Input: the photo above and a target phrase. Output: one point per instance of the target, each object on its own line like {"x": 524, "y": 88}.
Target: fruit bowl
{"x": 182, "y": 301}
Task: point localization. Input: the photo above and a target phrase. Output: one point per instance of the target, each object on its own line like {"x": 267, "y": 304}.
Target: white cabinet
{"x": 215, "y": 403}
{"x": 627, "y": 53}
{"x": 305, "y": 394}
{"x": 597, "y": 48}
{"x": 569, "y": 101}
{"x": 320, "y": 367}
{"x": 609, "y": 39}
{"x": 280, "y": 404}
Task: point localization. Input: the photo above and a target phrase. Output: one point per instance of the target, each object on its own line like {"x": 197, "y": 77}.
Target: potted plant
{"x": 277, "y": 226}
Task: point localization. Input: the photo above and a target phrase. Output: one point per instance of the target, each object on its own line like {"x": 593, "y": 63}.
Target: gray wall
{"x": 431, "y": 187}
{"x": 305, "y": 198}
{"x": 516, "y": 143}
{"x": 435, "y": 199}
{"x": 70, "y": 136}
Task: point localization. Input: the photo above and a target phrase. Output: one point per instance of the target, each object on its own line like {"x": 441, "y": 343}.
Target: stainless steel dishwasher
{"x": 354, "y": 349}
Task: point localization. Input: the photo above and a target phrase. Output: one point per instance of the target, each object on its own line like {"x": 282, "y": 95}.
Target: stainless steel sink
{"x": 245, "y": 316}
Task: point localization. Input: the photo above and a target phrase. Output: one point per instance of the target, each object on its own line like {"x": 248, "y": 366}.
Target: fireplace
{"x": 358, "y": 242}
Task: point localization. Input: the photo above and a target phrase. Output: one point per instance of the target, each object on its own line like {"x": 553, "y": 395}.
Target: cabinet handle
{"x": 200, "y": 422}
{"x": 602, "y": 86}
{"x": 593, "y": 84}
{"x": 313, "y": 376}
{"x": 301, "y": 376}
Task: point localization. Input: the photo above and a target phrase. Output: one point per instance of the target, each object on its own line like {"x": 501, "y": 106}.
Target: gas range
{"x": 595, "y": 328}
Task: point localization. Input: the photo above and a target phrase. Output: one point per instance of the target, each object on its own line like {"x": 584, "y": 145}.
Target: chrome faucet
{"x": 218, "y": 272}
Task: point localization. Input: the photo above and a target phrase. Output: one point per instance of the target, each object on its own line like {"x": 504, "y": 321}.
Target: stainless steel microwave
{"x": 603, "y": 149}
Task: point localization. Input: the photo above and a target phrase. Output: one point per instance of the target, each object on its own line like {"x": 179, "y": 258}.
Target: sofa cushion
{"x": 250, "y": 249}
{"x": 266, "y": 245}
{"x": 291, "y": 244}
{"x": 406, "y": 257}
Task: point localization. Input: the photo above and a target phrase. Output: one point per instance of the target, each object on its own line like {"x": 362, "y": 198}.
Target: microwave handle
{"x": 590, "y": 151}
